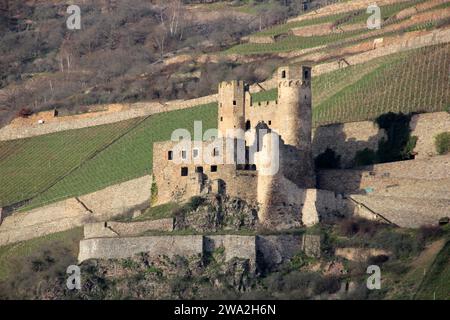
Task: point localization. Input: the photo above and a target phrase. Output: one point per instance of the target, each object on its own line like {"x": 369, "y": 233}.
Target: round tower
{"x": 294, "y": 101}
{"x": 294, "y": 104}
{"x": 231, "y": 111}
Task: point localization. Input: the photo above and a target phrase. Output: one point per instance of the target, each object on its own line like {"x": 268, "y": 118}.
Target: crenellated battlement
{"x": 231, "y": 84}
{"x": 264, "y": 104}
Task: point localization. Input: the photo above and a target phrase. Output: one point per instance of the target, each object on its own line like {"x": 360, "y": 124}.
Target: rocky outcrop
{"x": 219, "y": 213}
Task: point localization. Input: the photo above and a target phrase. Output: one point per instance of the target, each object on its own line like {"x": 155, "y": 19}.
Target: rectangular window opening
{"x": 184, "y": 171}
{"x": 195, "y": 153}
{"x": 213, "y": 168}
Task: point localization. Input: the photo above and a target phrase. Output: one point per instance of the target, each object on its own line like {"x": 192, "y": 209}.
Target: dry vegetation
{"x": 120, "y": 52}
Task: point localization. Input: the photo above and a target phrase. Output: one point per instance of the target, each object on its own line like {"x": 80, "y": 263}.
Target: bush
{"x": 402, "y": 245}
{"x": 354, "y": 226}
{"x": 365, "y": 157}
{"x": 25, "y": 112}
{"x": 398, "y": 141}
{"x": 328, "y": 160}
{"x": 442, "y": 143}
{"x": 330, "y": 284}
{"x": 154, "y": 192}
{"x": 429, "y": 232}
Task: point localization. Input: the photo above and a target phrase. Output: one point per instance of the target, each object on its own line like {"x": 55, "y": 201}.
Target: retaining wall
{"x": 113, "y": 248}
{"x": 63, "y": 215}
{"x": 264, "y": 252}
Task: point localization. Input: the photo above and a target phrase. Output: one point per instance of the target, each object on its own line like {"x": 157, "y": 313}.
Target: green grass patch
{"x": 268, "y": 95}
{"x": 11, "y": 254}
{"x": 158, "y": 212}
{"x": 442, "y": 142}
{"x": 290, "y": 43}
{"x": 436, "y": 283}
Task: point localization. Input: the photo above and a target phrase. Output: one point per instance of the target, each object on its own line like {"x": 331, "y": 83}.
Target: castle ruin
{"x": 261, "y": 153}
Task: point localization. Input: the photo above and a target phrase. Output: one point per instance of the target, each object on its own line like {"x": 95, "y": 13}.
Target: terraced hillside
{"x": 345, "y": 28}
{"x": 412, "y": 81}
{"x": 56, "y": 166}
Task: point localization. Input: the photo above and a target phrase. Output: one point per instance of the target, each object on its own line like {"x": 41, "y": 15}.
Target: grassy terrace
{"x": 290, "y": 43}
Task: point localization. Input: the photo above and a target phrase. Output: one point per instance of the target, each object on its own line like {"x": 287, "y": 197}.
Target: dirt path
{"x": 427, "y": 256}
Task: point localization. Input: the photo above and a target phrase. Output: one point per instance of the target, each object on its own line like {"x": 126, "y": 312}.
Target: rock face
{"x": 219, "y": 213}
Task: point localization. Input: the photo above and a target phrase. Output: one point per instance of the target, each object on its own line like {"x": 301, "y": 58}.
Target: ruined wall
{"x": 66, "y": 214}
{"x": 113, "y": 248}
{"x": 173, "y": 186}
{"x": 266, "y": 111}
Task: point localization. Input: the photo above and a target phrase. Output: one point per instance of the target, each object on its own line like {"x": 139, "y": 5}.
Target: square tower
{"x": 231, "y": 110}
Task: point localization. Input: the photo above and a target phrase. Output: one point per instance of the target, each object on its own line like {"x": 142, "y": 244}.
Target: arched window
{"x": 247, "y": 125}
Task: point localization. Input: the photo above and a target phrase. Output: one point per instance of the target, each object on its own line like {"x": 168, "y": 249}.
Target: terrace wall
{"x": 353, "y": 180}
{"x": 23, "y": 128}
{"x": 264, "y": 252}
{"x": 115, "y": 248}
{"x": 348, "y": 138}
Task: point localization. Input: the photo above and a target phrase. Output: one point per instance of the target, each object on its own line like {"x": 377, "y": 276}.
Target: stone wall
{"x": 264, "y": 252}
{"x": 23, "y": 128}
{"x": 355, "y": 180}
{"x": 114, "y": 248}
{"x": 63, "y": 215}
{"x": 325, "y": 29}
{"x": 173, "y": 186}
{"x": 234, "y": 246}
{"x": 340, "y": 7}
{"x": 272, "y": 251}
{"x": 426, "y": 126}
{"x": 397, "y": 44}
{"x": 346, "y": 139}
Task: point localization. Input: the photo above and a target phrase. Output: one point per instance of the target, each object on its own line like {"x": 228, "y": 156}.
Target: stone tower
{"x": 231, "y": 111}
{"x": 294, "y": 100}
